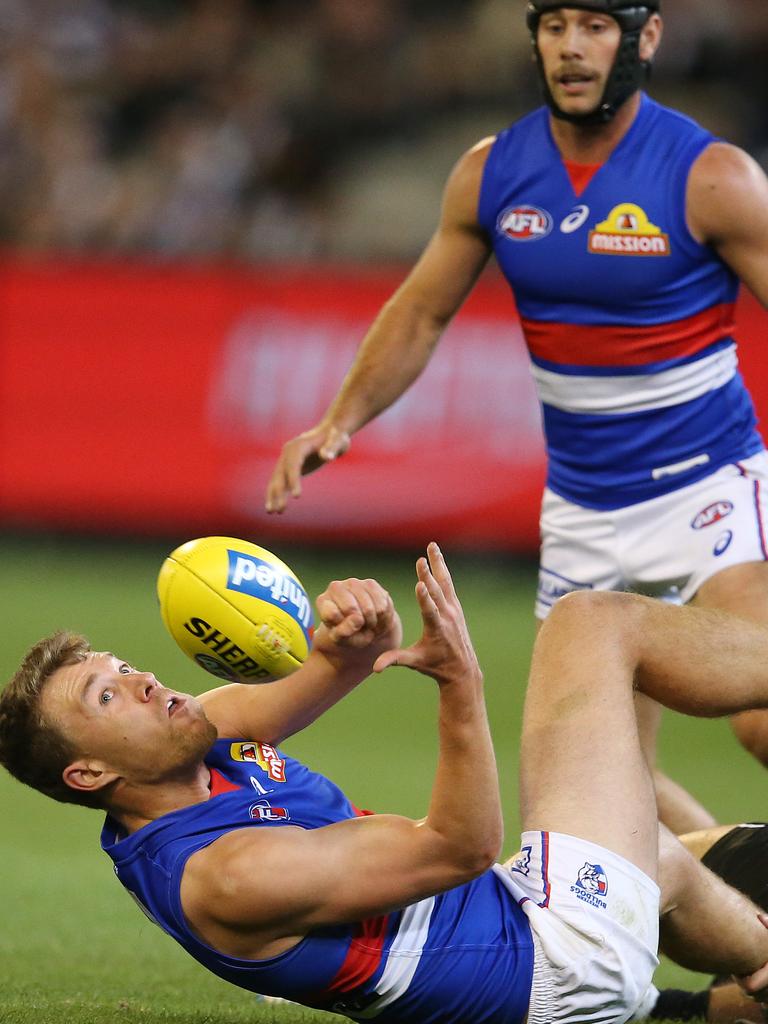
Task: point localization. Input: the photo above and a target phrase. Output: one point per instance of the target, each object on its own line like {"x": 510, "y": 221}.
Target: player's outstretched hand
{"x": 357, "y": 614}
{"x": 301, "y": 455}
{"x": 445, "y": 650}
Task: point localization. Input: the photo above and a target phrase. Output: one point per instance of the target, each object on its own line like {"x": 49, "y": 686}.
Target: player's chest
{"x": 615, "y": 234}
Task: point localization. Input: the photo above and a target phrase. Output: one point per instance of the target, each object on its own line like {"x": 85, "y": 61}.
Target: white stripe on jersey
{"x": 403, "y": 957}
{"x": 639, "y": 392}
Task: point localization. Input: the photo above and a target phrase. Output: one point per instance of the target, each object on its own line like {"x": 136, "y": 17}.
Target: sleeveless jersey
{"x": 627, "y": 318}
{"x": 466, "y": 953}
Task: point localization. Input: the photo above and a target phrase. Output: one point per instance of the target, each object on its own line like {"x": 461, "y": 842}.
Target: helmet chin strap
{"x": 627, "y": 73}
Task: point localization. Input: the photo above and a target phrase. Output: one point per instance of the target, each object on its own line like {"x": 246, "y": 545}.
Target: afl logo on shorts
{"x": 712, "y": 514}
{"x": 524, "y": 223}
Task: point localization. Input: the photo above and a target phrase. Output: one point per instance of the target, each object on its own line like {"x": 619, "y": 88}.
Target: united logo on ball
{"x": 236, "y": 609}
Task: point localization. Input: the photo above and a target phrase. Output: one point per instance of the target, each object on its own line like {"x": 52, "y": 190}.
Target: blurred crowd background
{"x": 300, "y": 130}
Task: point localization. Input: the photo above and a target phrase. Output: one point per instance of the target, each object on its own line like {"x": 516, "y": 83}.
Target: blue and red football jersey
{"x": 465, "y": 951}
{"x": 627, "y": 318}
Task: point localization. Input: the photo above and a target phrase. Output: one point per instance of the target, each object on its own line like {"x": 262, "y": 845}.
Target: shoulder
{"x": 726, "y": 187}
{"x": 468, "y": 170}
{"x": 462, "y": 190}
{"x": 724, "y": 166}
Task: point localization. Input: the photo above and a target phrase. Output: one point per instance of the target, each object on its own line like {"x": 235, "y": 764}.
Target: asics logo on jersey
{"x": 574, "y": 220}
{"x": 627, "y": 231}
{"x": 712, "y": 514}
{"x": 525, "y": 223}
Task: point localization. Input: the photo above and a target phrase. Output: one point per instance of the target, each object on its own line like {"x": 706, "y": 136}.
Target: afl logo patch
{"x": 524, "y": 223}
{"x": 712, "y": 514}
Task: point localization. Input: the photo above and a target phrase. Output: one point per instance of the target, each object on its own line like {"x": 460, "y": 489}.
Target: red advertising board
{"x": 149, "y": 399}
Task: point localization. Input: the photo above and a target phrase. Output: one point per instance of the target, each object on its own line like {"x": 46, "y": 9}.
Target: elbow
{"x": 475, "y": 861}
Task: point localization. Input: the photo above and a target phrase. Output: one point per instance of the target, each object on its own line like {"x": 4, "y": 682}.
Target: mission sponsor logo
{"x": 713, "y": 513}
{"x": 524, "y": 223}
{"x": 591, "y": 885}
{"x": 262, "y": 754}
{"x": 628, "y": 232}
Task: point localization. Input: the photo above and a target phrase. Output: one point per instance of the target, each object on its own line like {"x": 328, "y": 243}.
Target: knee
{"x": 676, "y": 868}
{"x": 751, "y": 730}
{"x": 605, "y": 616}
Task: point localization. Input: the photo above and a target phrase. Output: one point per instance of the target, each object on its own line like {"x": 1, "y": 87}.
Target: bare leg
{"x": 742, "y": 590}
{"x": 583, "y": 770}
{"x": 705, "y": 924}
{"x": 677, "y": 808}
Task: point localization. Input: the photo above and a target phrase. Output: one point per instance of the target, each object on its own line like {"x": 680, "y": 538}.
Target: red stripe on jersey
{"x": 618, "y": 345}
{"x": 580, "y": 174}
{"x": 220, "y": 784}
{"x": 360, "y": 813}
{"x": 363, "y": 956}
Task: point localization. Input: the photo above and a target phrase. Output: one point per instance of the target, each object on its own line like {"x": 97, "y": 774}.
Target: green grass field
{"x": 74, "y": 948}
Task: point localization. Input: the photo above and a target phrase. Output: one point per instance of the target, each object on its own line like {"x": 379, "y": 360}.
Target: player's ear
{"x": 88, "y": 776}
{"x": 650, "y": 37}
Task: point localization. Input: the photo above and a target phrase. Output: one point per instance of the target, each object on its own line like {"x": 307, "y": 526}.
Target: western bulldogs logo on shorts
{"x": 522, "y": 864}
{"x": 591, "y": 884}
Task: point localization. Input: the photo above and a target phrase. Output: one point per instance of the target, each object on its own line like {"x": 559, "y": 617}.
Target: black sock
{"x": 677, "y": 1004}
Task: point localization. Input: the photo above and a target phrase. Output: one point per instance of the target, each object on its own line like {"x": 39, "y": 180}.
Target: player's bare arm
{"x": 368, "y": 866}
{"x": 358, "y": 622}
{"x": 727, "y": 207}
{"x": 402, "y": 338}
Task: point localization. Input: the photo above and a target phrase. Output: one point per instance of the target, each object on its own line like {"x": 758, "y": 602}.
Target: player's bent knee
{"x": 675, "y": 867}
{"x": 751, "y": 729}
{"x": 605, "y": 616}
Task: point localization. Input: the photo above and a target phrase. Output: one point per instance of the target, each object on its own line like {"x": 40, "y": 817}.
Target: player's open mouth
{"x": 574, "y": 80}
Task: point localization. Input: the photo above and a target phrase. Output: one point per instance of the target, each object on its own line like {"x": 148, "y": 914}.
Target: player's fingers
{"x": 366, "y": 603}
{"x": 430, "y": 614}
{"x": 276, "y": 490}
{"x": 328, "y": 610}
{"x": 434, "y": 589}
{"x": 404, "y": 657}
{"x": 293, "y": 461}
{"x": 440, "y": 571}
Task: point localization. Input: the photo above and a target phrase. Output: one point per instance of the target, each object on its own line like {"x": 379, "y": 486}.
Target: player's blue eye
{"x": 125, "y": 669}
{"x": 106, "y": 697}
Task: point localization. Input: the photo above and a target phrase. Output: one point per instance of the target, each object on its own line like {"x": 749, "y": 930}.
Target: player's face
{"x": 577, "y": 49}
{"x": 125, "y": 720}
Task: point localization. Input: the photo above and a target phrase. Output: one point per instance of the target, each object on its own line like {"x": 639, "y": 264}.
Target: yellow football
{"x": 235, "y": 609}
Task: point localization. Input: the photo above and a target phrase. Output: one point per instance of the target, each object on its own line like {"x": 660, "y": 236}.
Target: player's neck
{"x": 593, "y": 144}
{"x": 135, "y": 806}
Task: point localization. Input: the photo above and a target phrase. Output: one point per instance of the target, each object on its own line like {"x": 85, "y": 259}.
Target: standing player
{"x": 265, "y": 873}
{"x": 623, "y": 229}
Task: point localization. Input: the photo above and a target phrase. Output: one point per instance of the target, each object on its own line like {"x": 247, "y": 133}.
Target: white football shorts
{"x": 666, "y": 547}
{"x": 594, "y": 917}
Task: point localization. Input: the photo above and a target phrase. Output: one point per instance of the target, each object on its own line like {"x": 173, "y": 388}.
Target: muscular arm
{"x": 727, "y": 208}
{"x": 402, "y": 338}
{"x": 358, "y": 623}
{"x": 364, "y": 867}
